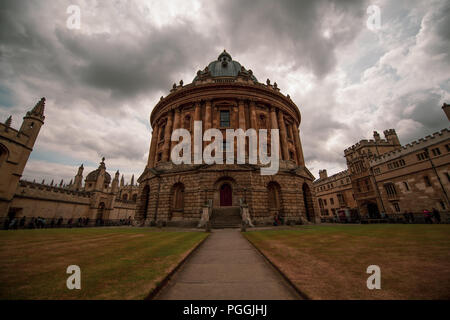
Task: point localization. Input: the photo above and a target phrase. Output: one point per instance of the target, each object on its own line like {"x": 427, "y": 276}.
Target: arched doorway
{"x": 100, "y": 213}
{"x": 307, "y": 200}
{"x": 226, "y": 195}
{"x": 372, "y": 210}
{"x": 145, "y": 198}
{"x": 177, "y": 204}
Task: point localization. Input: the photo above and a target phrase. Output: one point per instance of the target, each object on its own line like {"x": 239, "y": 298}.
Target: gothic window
{"x": 331, "y": 201}
{"x": 436, "y": 152}
{"x": 125, "y": 197}
{"x": 390, "y": 189}
{"x": 427, "y": 181}
{"x": 224, "y": 118}
{"x": 159, "y": 156}
{"x": 134, "y": 197}
{"x": 396, "y": 206}
{"x": 422, "y": 156}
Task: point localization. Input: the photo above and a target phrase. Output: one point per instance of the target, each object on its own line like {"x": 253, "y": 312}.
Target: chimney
{"x": 376, "y": 136}
{"x": 323, "y": 174}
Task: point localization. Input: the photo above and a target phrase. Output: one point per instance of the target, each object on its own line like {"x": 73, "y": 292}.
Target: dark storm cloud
{"x": 103, "y": 80}
{"x": 294, "y": 29}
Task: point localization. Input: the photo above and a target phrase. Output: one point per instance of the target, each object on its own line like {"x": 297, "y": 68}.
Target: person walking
{"x": 436, "y": 215}
{"x": 427, "y": 215}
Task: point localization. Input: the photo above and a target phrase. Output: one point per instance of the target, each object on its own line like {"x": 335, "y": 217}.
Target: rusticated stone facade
{"x": 225, "y": 96}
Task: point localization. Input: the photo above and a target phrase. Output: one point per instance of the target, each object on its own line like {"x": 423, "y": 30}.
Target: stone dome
{"x": 92, "y": 176}
{"x": 224, "y": 66}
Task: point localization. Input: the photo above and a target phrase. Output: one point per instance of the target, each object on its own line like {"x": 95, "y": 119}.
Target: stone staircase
{"x": 226, "y": 217}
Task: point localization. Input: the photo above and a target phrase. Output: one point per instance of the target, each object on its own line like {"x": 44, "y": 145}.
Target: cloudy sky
{"x": 102, "y": 81}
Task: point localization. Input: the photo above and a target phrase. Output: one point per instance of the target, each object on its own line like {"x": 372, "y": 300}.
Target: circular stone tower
{"x": 224, "y": 96}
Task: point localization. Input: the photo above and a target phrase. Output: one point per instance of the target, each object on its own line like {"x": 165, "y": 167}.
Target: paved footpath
{"x": 227, "y": 267}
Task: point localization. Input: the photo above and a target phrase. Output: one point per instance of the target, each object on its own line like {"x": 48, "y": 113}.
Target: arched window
{"x": 187, "y": 123}
{"x": 262, "y": 122}
{"x": 125, "y": 197}
{"x": 273, "y": 196}
{"x": 134, "y": 197}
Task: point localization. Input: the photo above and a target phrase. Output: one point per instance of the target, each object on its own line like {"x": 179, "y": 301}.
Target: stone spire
{"x": 122, "y": 181}
{"x": 115, "y": 183}
{"x": 38, "y": 109}
{"x": 78, "y": 179}
{"x": 8, "y": 121}
{"x": 61, "y": 183}
{"x": 132, "y": 180}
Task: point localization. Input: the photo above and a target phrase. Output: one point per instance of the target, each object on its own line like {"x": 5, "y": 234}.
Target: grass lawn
{"x": 330, "y": 262}
{"x": 116, "y": 263}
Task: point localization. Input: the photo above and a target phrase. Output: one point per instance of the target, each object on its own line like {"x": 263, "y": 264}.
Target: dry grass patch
{"x": 330, "y": 262}
{"x": 116, "y": 263}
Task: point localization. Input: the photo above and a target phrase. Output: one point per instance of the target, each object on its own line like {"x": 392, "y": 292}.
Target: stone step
{"x": 228, "y": 217}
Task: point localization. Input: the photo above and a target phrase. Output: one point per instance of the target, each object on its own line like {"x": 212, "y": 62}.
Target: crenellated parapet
{"x": 335, "y": 177}
{"x": 413, "y": 146}
{"x": 51, "y": 193}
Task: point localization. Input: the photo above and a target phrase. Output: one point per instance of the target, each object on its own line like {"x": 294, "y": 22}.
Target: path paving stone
{"x": 227, "y": 267}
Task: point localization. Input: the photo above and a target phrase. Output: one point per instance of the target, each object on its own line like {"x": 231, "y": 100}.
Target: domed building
{"x": 225, "y": 95}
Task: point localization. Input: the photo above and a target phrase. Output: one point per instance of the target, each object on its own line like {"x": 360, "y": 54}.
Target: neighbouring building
{"x": 384, "y": 176}
{"x": 225, "y": 95}
{"x": 101, "y": 199}
{"x": 415, "y": 177}
{"x": 334, "y": 193}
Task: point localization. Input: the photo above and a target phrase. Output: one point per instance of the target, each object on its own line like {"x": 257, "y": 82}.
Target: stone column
{"x": 176, "y": 125}
{"x": 253, "y": 120}
{"x": 298, "y": 145}
{"x": 154, "y": 142}
{"x": 254, "y": 124}
{"x": 198, "y": 111}
{"x": 197, "y": 117}
{"x": 273, "y": 118}
{"x": 208, "y": 115}
{"x": 242, "y": 115}
{"x": 215, "y": 115}
{"x": 167, "y": 136}
{"x": 283, "y": 136}
{"x": 274, "y": 125}
{"x": 207, "y": 122}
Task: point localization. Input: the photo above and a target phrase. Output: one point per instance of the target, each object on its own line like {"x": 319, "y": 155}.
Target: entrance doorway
{"x": 226, "y": 195}
{"x": 372, "y": 210}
